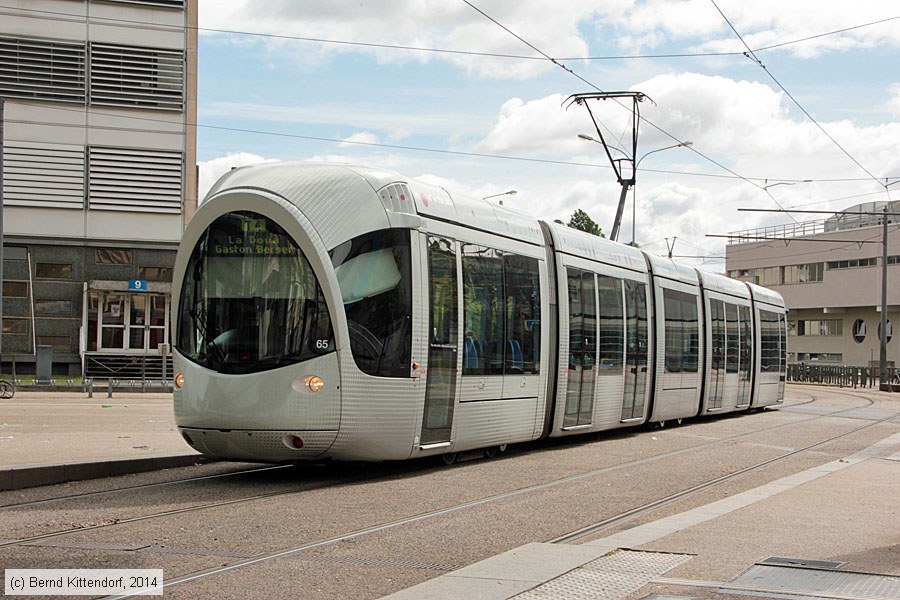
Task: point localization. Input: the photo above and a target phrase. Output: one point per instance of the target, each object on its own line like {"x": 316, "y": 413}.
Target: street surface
{"x": 365, "y": 531}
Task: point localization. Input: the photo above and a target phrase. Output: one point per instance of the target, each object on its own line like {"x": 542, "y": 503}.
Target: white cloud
{"x": 650, "y": 23}
{"x": 747, "y": 127}
{"x": 893, "y": 104}
{"x": 557, "y": 29}
{"x": 425, "y": 24}
{"x": 361, "y": 138}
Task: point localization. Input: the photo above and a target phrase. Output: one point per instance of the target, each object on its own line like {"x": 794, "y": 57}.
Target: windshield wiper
{"x": 216, "y": 350}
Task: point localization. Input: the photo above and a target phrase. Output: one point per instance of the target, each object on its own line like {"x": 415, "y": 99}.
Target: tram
{"x": 349, "y": 313}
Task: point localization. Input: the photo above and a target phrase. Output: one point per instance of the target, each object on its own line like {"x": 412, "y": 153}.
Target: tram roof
{"x": 725, "y": 285}
{"x": 293, "y": 181}
{"x": 761, "y": 294}
{"x": 585, "y": 245}
{"x": 668, "y": 268}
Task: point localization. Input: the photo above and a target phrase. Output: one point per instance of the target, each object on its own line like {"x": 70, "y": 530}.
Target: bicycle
{"x": 7, "y": 390}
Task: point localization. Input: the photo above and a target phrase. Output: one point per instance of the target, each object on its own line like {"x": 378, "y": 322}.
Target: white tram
{"x": 349, "y": 313}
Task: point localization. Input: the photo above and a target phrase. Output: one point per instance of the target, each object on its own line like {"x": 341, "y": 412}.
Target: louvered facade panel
{"x": 134, "y": 180}
{"x": 42, "y": 70}
{"x": 43, "y": 175}
{"x": 137, "y": 77}
{"x": 171, "y": 3}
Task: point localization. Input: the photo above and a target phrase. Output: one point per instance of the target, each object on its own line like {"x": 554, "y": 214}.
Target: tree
{"x": 580, "y": 220}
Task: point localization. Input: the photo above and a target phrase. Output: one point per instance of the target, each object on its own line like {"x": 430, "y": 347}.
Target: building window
{"x": 820, "y": 356}
{"x": 859, "y": 331}
{"x": 769, "y": 276}
{"x": 820, "y": 327}
{"x": 893, "y": 260}
{"x": 12, "y": 252}
{"x": 12, "y": 325}
{"x": 15, "y": 289}
{"x": 890, "y": 331}
{"x": 808, "y": 273}
{"x": 62, "y": 343}
{"x": 852, "y": 263}
{"x": 53, "y": 308}
{"x": 168, "y": 3}
{"x": 155, "y": 273}
{"x": 111, "y": 256}
{"x": 53, "y": 271}
{"x": 744, "y": 275}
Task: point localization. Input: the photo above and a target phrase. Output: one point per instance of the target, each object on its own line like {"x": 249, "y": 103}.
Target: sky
{"x": 787, "y": 104}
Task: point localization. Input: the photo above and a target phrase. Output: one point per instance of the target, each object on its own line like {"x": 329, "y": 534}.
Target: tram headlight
{"x": 314, "y": 382}
{"x": 179, "y": 380}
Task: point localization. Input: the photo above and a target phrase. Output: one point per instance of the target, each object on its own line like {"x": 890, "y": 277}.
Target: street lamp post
{"x": 507, "y": 193}
{"x": 627, "y": 183}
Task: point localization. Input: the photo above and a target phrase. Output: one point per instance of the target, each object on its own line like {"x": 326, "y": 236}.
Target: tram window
{"x": 717, "y": 334}
{"x": 483, "y": 312}
{"x": 746, "y": 358}
{"x": 682, "y": 331}
{"x": 373, "y": 271}
{"x": 732, "y": 342}
{"x": 770, "y": 346}
{"x": 612, "y": 332}
{"x": 523, "y": 314}
{"x": 249, "y": 300}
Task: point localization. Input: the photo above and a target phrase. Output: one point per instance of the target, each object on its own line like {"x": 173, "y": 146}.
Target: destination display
{"x": 253, "y": 237}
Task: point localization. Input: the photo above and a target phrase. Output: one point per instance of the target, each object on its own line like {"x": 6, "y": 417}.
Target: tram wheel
{"x": 449, "y": 458}
{"x": 495, "y": 451}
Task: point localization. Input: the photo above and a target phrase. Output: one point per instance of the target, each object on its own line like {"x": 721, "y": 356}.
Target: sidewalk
{"x": 51, "y": 437}
{"x": 831, "y": 531}
{"x": 765, "y": 542}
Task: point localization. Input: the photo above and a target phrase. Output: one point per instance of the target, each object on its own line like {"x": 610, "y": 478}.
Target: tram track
{"x": 636, "y": 512}
{"x": 143, "y": 486}
{"x": 343, "y": 479}
{"x": 625, "y": 516}
{"x": 159, "y": 484}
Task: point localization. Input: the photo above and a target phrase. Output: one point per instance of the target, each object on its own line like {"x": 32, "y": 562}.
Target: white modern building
{"x": 830, "y": 274}
{"x": 99, "y": 178}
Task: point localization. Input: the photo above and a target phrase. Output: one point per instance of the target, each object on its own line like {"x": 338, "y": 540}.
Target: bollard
{"x": 90, "y": 388}
{"x": 109, "y": 388}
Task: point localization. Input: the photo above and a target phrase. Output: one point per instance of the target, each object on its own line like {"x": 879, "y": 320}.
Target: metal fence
{"x": 838, "y": 375}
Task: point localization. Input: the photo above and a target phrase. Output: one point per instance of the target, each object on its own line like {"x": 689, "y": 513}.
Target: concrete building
{"x": 829, "y": 272}
{"x": 99, "y": 178}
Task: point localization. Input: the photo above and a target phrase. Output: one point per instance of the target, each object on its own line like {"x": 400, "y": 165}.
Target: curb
{"x": 27, "y": 476}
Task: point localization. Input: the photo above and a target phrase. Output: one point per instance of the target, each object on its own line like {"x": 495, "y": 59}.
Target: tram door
{"x": 443, "y": 327}
{"x": 582, "y": 348}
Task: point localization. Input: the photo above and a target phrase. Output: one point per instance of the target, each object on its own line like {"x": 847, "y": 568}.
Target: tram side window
{"x": 612, "y": 332}
{"x": 523, "y": 314}
{"x": 717, "y": 334}
{"x": 732, "y": 343}
{"x": 682, "y": 330}
{"x": 770, "y": 343}
{"x": 373, "y": 271}
{"x": 484, "y": 313}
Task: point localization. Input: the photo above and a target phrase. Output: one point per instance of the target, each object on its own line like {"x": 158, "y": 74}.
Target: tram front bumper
{"x": 259, "y": 446}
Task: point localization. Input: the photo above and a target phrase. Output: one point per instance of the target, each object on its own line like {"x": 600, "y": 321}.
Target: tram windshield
{"x": 250, "y": 300}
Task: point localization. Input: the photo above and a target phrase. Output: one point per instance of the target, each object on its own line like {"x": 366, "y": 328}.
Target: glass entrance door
{"x": 147, "y": 321}
{"x": 112, "y": 321}
{"x": 443, "y": 327}
{"x": 135, "y": 323}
